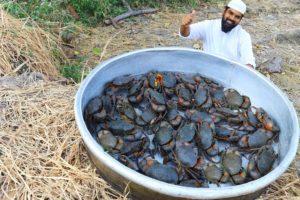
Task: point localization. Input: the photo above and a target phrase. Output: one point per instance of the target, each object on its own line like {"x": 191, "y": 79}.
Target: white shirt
{"x": 235, "y": 45}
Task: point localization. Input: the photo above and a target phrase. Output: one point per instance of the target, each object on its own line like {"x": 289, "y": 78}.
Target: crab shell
{"x": 261, "y": 162}
{"x": 232, "y": 162}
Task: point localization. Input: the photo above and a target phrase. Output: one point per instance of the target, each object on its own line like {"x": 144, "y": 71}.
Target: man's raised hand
{"x": 188, "y": 19}
{"x": 185, "y": 23}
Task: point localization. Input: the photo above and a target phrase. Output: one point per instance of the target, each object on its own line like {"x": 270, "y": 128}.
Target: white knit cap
{"x": 237, "y": 5}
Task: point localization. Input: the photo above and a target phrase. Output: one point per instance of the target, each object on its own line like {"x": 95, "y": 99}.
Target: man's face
{"x": 231, "y": 18}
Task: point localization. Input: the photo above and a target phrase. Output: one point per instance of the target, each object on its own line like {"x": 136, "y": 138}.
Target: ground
{"x": 35, "y": 123}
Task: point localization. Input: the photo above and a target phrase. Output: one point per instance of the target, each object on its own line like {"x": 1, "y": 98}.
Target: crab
{"x": 227, "y": 133}
{"x": 136, "y": 91}
{"x": 186, "y": 80}
{"x": 232, "y": 163}
{"x": 156, "y": 99}
{"x": 174, "y": 117}
{"x": 136, "y": 147}
{"x": 198, "y": 117}
{"x": 119, "y": 84}
{"x": 186, "y": 154}
{"x": 156, "y": 170}
{"x": 122, "y": 81}
{"x": 129, "y": 162}
{"x": 255, "y": 140}
{"x": 125, "y": 108}
{"x": 186, "y": 133}
{"x": 95, "y": 110}
{"x": 108, "y": 103}
{"x": 109, "y": 141}
{"x": 235, "y": 100}
{"x": 134, "y": 135}
{"x": 184, "y": 95}
{"x": 164, "y": 136}
{"x": 200, "y": 96}
{"x": 162, "y": 81}
{"x": 120, "y": 127}
{"x": 250, "y": 118}
{"x": 215, "y": 174}
{"x": 246, "y": 102}
{"x": 261, "y": 162}
{"x": 208, "y": 104}
{"x": 93, "y": 106}
{"x": 206, "y": 139}
{"x": 218, "y": 97}
{"x": 148, "y": 116}
{"x": 199, "y": 79}
{"x": 266, "y": 121}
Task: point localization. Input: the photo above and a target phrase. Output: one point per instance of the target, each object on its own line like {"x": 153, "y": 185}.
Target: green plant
{"x": 44, "y": 10}
{"x": 92, "y": 12}
{"x": 74, "y": 72}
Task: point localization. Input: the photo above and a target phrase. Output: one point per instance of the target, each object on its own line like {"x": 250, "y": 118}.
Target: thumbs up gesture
{"x": 188, "y": 19}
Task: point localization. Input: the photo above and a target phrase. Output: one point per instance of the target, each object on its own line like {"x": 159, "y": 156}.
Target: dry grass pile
{"x": 287, "y": 187}
{"x": 25, "y": 46}
{"x": 41, "y": 151}
{"x": 42, "y": 154}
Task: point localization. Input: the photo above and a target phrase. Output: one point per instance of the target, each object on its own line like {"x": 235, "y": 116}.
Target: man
{"x": 223, "y": 37}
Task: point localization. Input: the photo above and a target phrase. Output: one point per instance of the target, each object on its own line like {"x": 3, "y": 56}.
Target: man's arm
{"x": 246, "y": 51}
{"x": 184, "y": 30}
{"x": 185, "y": 24}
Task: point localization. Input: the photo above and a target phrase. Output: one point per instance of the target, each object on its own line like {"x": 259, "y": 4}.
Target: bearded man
{"x": 222, "y": 37}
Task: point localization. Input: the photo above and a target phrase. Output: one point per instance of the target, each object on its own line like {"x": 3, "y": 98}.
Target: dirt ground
{"x": 275, "y": 29}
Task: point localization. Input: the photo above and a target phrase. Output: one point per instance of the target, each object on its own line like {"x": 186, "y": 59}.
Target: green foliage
{"x": 96, "y": 51}
{"x": 93, "y": 11}
{"x": 44, "y": 10}
{"x": 74, "y": 72}
{"x": 90, "y": 12}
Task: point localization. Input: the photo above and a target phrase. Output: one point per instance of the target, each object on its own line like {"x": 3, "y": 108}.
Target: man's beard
{"x": 226, "y": 27}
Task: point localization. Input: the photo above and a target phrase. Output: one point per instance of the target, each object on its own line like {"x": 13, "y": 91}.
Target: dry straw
{"x": 25, "y": 46}
{"x": 41, "y": 151}
{"x": 42, "y": 154}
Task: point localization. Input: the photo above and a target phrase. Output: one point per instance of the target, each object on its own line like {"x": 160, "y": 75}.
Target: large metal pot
{"x": 261, "y": 91}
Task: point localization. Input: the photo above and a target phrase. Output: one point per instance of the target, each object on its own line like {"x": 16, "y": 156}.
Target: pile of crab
{"x": 183, "y": 129}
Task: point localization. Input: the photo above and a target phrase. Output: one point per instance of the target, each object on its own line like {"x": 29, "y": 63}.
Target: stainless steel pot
{"x": 261, "y": 91}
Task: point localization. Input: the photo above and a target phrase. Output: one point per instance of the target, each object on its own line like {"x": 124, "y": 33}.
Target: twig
{"x": 105, "y": 47}
{"x": 114, "y": 21}
{"x": 134, "y": 13}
